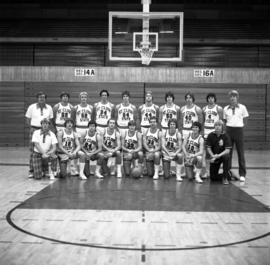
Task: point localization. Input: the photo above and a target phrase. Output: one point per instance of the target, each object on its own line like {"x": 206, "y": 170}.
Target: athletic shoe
{"x": 205, "y": 175}
{"x": 119, "y": 175}
{"x": 98, "y": 175}
{"x": 179, "y": 178}
{"x": 225, "y": 182}
{"x": 198, "y": 179}
{"x": 51, "y": 176}
{"x": 242, "y": 178}
{"x": 155, "y": 177}
{"x": 82, "y": 177}
{"x": 30, "y": 175}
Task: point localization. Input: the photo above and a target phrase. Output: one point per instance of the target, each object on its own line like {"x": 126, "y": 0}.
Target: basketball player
{"x": 171, "y": 149}
{"x": 103, "y": 111}
{"x": 193, "y": 146}
{"x": 34, "y": 114}
{"x": 168, "y": 111}
{"x": 62, "y": 111}
{"x": 146, "y": 111}
{"x": 69, "y": 146}
{"x": 83, "y": 114}
{"x": 124, "y": 113}
{"x": 211, "y": 114}
{"x": 91, "y": 147}
{"x": 111, "y": 145}
{"x": 45, "y": 143}
{"x": 190, "y": 113}
{"x": 152, "y": 145}
{"x": 132, "y": 148}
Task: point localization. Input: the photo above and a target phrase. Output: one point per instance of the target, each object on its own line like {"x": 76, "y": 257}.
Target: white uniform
{"x": 90, "y": 143}
{"x": 131, "y": 142}
{"x": 189, "y": 115}
{"x": 171, "y": 142}
{"x": 211, "y": 116}
{"x": 167, "y": 114}
{"x": 62, "y": 113}
{"x": 147, "y": 112}
{"x": 109, "y": 140}
{"x": 83, "y": 116}
{"x": 103, "y": 114}
{"x": 152, "y": 139}
{"x": 125, "y": 114}
{"x": 193, "y": 145}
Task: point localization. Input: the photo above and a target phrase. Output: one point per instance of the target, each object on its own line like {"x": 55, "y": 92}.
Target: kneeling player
{"x": 152, "y": 144}
{"x": 132, "y": 148}
{"x": 69, "y": 146}
{"x": 91, "y": 143}
{"x": 111, "y": 145}
{"x": 193, "y": 150}
{"x": 171, "y": 149}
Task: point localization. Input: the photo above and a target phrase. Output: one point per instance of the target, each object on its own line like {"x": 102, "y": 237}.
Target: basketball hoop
{"x": 146, "y": 55}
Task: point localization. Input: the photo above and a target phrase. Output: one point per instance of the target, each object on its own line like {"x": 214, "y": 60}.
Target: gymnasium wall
{"x": 18, "y": 86}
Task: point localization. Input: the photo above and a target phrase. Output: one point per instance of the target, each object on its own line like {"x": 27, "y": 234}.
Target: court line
{"x": 143, "y": 248}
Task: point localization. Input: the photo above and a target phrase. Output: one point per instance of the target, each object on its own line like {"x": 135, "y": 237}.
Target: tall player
{"x": 103, "y": 111}
{"x": 132, "y": 148}
{"x": 168, "y": 111}
{"x": 211, "y": 114}
{"x": 83, "y": 114}
{"x": 91, "y": 147}
{"x": 171, "y": 150}
{"x": 190, "y": 113}
{"x": 152, "y": 146}
{"x": 124, "y": 113}
{"x": 62, "y": 111}
{"x": 146, "y": 111}
{"x": 111, "y": 145}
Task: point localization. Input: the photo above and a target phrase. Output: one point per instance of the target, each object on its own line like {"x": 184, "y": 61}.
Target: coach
{"x": 235, "y": 116}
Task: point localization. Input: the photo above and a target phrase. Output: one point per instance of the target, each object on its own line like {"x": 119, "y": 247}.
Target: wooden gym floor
{"x": 128, "y": 221}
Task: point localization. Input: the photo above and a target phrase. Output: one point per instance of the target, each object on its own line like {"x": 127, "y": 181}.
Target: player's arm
{"x": 60, "y": 143}
{"x": 94, "y": 112}
{"x": 99, "y": 142}
{"x": 113, "y": 111}
{"x": 139, "y": 148}
{"x": 160, "y": 116}
{"x": 201, "y": 148}
{"x": 145, "y": 143}
{"x": 163, "y": 144}
{"x": 81, "y": 143}
{"x": 55, "y": 109}
{"x": 181, "y": 117}
{"x": 158, "y": 146}
{"x": 179, "y": 143}
{"x": 136, "y": 117}
{"x": 54, "y": 145}
{"x": 77, "y": 142}
{"x": 220, "y": 112}
{"x": 184, "y": 147}
{"x": 200, "y": 114}
{"x": 157, "y": 111}
{"x": 178, "y": 117}
{"x": 118, "y": 142}
{"x": 140, "y": 116}
{"x": 116, "y": 113}
{"x": 123, "y": 143}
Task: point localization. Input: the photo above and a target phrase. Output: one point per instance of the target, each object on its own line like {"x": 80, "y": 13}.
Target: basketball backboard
{"x": 145, "y": 36}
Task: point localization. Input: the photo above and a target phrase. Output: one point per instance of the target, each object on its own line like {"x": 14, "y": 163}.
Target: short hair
{"x": 104, "y": 91}
{"x": 69, "y": 120}
{"x": 233, "y": 93}
{"x": 111, "y": 119}
{"x": 191, "y": 95}
{"x": 211, "y": 95}
{"x": 172, "y": 120}
{"x": 40, "y": 93}
{"x": 64, "y": 94}
{"x": 220, "y": 122}
{"x": 45, "y": 120}
{"x": 169, "y": 94}
{"x": 125, "y": 93}
{"x": 197, "y": 124}
{"x": 131, "y": 123}
{"x": 92, "y": 122}
{"x": 83, "y": 93}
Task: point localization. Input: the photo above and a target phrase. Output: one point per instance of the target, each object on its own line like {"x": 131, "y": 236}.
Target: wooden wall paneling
{"x": 267, "y": 116}
{"x": 11, "y": 114}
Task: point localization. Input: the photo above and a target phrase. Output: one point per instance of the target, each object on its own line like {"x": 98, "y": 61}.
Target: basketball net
{"x": 146, "y": 55}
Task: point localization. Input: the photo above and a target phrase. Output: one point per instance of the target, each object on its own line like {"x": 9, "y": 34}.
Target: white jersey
{"x": 211, "y": 116}
{"x": 131, "y": 142}
{"x": 125, "y": 114}
{"x": 167, "y": 114}
{"x": 62, "y": 113}
{"x": 90, "y": 143}
{"x": 152, "y": 139}
{"x": 189, "y": 115}
{"x": 147, "y": 112}
{"x": 83, "y": 115}
{"x": 103, "y": 113}
{"x": 171, "y": 141}
{"x": 109, "y": 140}
{"x": 68, "y": 141}
{"x": 193, "y": 145}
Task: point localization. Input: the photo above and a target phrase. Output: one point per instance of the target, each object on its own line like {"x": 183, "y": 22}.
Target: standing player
{"x": 193, "y": 146}
{"x": 62, "y": 111}
{"x": 168, "y": 111}
{"x": 91, "y": 147}
{"x": 132, "y": 148}
{"x": 103, "y": 111}
{"x": 69, "y": 146}
{"x": 190, "y": 113}
{"x": 171, "y": 150}
{"x": 152, "y": 145}
{"x": 111, "y": 145}
{"x": 146, "y": 111}
{"x": 124, "y": 113}
{"x": 83, "y": 114}
{"x": 35, "y": 113}
{"x": 211, "y": 114}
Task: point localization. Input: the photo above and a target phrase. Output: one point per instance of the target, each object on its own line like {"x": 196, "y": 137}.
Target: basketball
{"x": 136, "y": 172}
